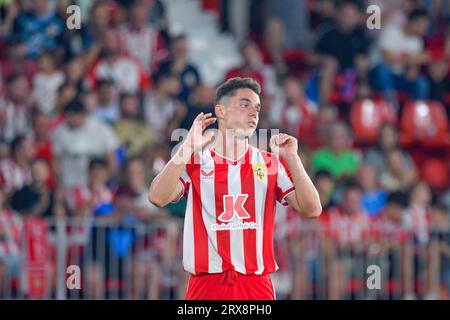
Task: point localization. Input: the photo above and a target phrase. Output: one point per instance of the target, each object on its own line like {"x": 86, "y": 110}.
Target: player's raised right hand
{"x": 196, "y": 140}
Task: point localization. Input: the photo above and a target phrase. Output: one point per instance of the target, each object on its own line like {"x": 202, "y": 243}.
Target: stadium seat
{"x": 367, "y": 116}
{"x": 425, "y": 123}
{"x": 436, "y": 172}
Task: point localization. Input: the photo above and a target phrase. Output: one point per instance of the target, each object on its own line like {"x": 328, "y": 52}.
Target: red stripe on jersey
{"x": 269, "y": 213}
{"x": 223, "y": 236}
{"x": 248, "y": 187}
{"x": 200, "y": 234}
{"x": 286, "y": 168}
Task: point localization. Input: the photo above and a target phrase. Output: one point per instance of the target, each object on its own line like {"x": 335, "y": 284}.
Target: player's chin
{"x": 245, "y": 132}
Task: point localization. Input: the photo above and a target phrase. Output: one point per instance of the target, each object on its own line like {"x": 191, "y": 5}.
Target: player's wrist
{"x": 183, "y": 154}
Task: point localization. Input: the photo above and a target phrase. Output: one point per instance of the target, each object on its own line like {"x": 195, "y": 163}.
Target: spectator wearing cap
{"x": 178, "y": 63}
{"x": 77, "y": 140}
{"x": 398, "y": 57}
{"x": 336, "y": 156}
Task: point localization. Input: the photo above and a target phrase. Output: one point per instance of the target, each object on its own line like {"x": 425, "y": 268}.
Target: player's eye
{"x": 245, "y": 105}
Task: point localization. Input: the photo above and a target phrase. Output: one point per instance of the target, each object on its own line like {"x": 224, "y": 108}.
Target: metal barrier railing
{"x": 100, "y": 259}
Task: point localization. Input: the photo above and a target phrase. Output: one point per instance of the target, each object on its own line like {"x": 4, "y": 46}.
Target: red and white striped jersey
{"x": 229, "y": 221}
{"x": 11, "y": 226}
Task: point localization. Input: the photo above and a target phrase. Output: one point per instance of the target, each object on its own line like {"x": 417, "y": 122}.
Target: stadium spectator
{"x": 373, "y": 198}
{"x": 15, "y": 108}
{"x": 298, "y": 115}
{"x": 41, "y": 29}
{"x": 439, "y": 263}
{"x": 127, "y": 74}
{"x": 398, "y": 57}
{"x": 140, "y": 40}
{"x": 342, "y": 50}
{"x": 41, "y": 123}
{"x": 107, "y": 109}
{"x": 396, "y": 176}
{"x": 46, "y": 83}
{"x": 15, "y": 170}
{"x": 251, "y": 66}
{"x": 131, "y": 130}
{"x": 178, "y": 63}
{"x": 162, "y": 111}
{"x": 95, "y": 200}
{"x": 388, "y": 139}
{"x": 77, "y": 140}
{"x": 202, "y": 100}
{"x": 336, "y": 156}
{"x": 348, "y": 229}
{"x": 394, "y": 249}
{"x": 37, "y": 199}
{"x": 17, "y": 62}
{"x": 11, "y": 231}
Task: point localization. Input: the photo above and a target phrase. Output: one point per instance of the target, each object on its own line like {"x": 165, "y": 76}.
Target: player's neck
{"x": 230, "y": 146}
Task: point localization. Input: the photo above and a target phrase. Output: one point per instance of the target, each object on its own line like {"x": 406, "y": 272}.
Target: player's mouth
{"x": 253, "y": 123}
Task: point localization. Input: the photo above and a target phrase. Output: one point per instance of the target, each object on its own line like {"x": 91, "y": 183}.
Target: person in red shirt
{"x": 231, "y": 191}
{"x": 252, "y": 61}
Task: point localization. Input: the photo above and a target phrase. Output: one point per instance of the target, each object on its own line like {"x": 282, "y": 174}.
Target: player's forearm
{"x": 163, "y": 186}
{"x": 307, "y": 197}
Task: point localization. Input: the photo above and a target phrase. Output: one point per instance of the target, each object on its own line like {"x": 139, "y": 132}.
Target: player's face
{"x": 241, "y": 113}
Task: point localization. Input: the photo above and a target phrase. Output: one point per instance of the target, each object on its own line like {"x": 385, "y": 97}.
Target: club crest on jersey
{"x": 234, "y": 206}
{"x": 260, "y": 171}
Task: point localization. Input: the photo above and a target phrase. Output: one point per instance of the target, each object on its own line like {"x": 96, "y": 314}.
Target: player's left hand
{"x": 284, "y": 145}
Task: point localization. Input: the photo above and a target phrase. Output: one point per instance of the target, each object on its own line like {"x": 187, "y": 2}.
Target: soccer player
{"x": 232, "y": 189}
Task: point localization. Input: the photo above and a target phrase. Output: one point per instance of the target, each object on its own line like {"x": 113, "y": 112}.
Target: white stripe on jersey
{"x": 260, "y": 193}
{"x": 236, "y": 236}
{"x": 209, "y": 214}
{"x": 188, "y": 237}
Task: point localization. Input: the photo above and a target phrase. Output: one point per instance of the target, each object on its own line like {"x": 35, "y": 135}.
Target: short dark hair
{"x": 399, "y": 198}
{"x": 16, "y": 143}
{"x": 75, "y": 106}
{"x": 322, "y": 174}
{"x": 229, "y": 87}
{"x": 98, "y": 163}
{"x": 417, "y": 14}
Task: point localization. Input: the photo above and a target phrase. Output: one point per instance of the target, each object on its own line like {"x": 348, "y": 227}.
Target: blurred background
{"x": 86, "y": 117}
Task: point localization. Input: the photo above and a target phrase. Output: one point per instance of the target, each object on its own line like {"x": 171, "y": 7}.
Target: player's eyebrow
{"x": 248, "y": 100}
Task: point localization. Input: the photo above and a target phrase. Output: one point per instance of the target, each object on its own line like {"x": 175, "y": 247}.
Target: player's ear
{"x": 220, "y": 111}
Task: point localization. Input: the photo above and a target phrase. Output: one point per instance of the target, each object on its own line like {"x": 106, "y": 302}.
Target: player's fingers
{"x": 208, "y": 122}
{"x": 274, "y": 138}
{"x": 199, "y": 117}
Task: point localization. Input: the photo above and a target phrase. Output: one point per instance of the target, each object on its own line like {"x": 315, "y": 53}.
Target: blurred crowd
{"x": 86, "y": 118}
